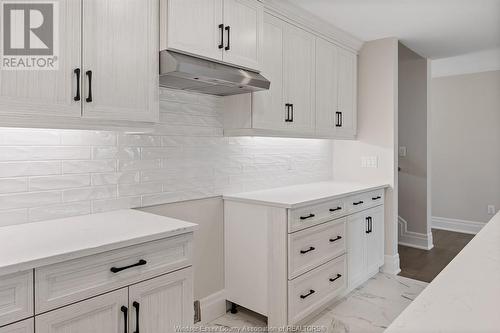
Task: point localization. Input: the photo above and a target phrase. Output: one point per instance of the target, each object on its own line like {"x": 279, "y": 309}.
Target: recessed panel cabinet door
{"x": 268, "y": 107}
{"x": 299, "y": 73}
{"x": 161, "y": 304}
{"x": 193, "y": 27}
{"x": 356, "y": 248}
{"x": 25, "y": 326}
{"x": 243, "y": 33}
{"x": 347, "y": 87}
{"x": 120, "y": 59}
{"x": 326, "y": 87}
{"x": 375, "y": 240}
{"x": 48, "y": 92}
{"x": 102, "y": 314}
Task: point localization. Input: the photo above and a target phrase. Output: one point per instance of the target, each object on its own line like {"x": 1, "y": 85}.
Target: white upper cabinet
{"x": 120, "y": 59}
{"x": 48, "y": 92}
{"x": 229, "y": 31}
{"x": 194, "y": 26}
{"x": 346, "y": 120}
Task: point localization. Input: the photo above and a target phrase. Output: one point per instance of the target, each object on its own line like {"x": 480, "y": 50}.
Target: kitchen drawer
{"x": 314, "y": 289}
{"x": 70, "y": 281}
{"x": 359, "y": 202}
{"x": 16, "y": 297}
{"x": 25, "y": 326}
{"x": 309, "y": 216}
{"x": 314, "y": 246}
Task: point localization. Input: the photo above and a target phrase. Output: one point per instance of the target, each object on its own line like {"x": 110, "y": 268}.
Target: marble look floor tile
{"x": 369, "y": 308}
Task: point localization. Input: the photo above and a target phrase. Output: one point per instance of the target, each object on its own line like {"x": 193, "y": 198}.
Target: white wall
{"x": 412, "y": 122}
{"x": 47, "y": 174}
{"x": 377, "y": 132}
{"x": 466, "y": 145}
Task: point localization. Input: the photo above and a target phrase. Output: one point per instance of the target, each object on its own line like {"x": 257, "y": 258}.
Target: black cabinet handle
{"x": 335, "y": 278}
{"x": 335, "y": 209}
{"x": 89, "y": 75}
{"x": 77, "y": 72}
{"x": 309, "y": 250}
{"x": 124, "y": 309}
{"x": 339, "y": 119}
{"x": 291, "y": 108}
{"x": 136, "y": 306}
{"x": 287, "y": 108}
{"x": 141, "y": 262}
{"x": 221, "y": 27}
{"x": 308, "y": 294}
{"x": 377, "y": 197}
{"x": 370, "y": 224}
{"x": 228, "y": 47}
{"x": 357, "y": 203}
{"x": 367, "y": 225}
{"x": 335, "y": 239}
{"x": 307, "y": 217}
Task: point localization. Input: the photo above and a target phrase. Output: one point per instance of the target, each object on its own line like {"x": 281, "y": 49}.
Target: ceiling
{"x": 432, "y": 28}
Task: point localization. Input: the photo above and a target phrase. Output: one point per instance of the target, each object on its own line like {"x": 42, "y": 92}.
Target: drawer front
{"x": 25, "y": 326}
{"x": 74, "y": 280}
{"x": 314, "y": 289}
{"x": 309, "y": 216}
{"x": 16, "y": 297}
{"x": 312, "y": 247}
{"x": 359, "y": 202}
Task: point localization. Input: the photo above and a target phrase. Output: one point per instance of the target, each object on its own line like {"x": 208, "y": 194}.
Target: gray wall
{"x": 466, "y": 145}
{"x": 412, "y": 122}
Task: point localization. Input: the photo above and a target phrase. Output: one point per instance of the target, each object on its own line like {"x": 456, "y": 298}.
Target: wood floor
{"x": 425, "y": 265}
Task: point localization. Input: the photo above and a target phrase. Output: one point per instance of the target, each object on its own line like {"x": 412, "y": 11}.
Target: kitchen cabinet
{"x": 229, "y": 31}
{"x": 107, "y": 69}
{"x": 365, "y": 232}
{"x": 346, "y": 120}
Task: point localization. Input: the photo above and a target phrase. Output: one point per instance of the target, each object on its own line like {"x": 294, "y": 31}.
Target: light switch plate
{"x": 491, "y": 209}
{"x": 369, "y": 161}
{"x": 402, "y": 151}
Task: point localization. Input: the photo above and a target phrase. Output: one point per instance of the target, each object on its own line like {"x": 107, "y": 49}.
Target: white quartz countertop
{"x": 300, "y": 195}
{"x": 31, "y": 245}
{"x": 465, "y": 296}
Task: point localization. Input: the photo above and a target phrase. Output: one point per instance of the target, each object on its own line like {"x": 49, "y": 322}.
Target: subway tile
{"x": 12, "y": 217}
{"x": 88, "y": 138}
{"x": 24, "y": 136}
{"x": 139, "y": 140}
{"x": 29, "y": 199}
{"x": 138, "y": 165}
{"x": 33, "y": 153}
{"x": 58, "y": 182}
{"x": 13, "y": 185}
{"x": 88, "y": 166}
{"x": 17, "y": 169}
{"x": 127, "y": 177}
{"x": 59, "y": 211}
{"x": 90, "y": 193}
{"x": 99, "y": 206}
{"x": 138, "y": 189}
{"x": 122, "y": 153}
{"x": 150, "y": 153}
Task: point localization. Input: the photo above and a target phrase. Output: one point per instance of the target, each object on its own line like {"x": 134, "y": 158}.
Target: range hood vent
{"x": 180, "y": 71}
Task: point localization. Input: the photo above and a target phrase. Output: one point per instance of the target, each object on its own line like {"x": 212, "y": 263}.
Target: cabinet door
{"x": 160, "y": 304}
{"x": 121, "y": 53}
{"x": 48, "y": 92}
{"x": 102, "y": 314}
{"x": 193, "y": 27}
{"x": 347, "y": 94}
{"x": 243, "y": 21}
{"x": 375, "y": 240}
{"x": 25, "y": 326}
{"x": 268, "y": 107}
{"x": 356, "y": 248}
{"x": 326, "y": 87}
{"x": 298, "y": 76}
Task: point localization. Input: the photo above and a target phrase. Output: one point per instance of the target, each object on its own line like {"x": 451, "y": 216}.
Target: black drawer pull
{"x": 221, "y": 27}
{"x": 124, "y": 309}
{"x": 336, "y": 278}
{"x": 335, "y": 209}
{"x": 89, "y": 75}
{"x": 77, "y": 72}
{"x": 335, "y": 239}
{"x": 141, "y": 262}
{"x": 309, "y": 250}
{"x": 308, "y": 294}
{"x": 357, "y": 203}
{"x": 228, "y": 29}
{"x": 307, "y": 217}
{"x": 376, "y": 198}
{"x": 136, "y": 306}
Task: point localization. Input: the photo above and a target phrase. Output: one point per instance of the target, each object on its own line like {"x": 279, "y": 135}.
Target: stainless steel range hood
{"x": 180, "y": 71}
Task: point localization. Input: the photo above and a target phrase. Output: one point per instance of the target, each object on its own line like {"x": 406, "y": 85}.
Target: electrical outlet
{"x": 369, "y": 161}
{"x": 491, "y": 209}
{"x": 197, "y": 312}
{"x": 402, "y": 151}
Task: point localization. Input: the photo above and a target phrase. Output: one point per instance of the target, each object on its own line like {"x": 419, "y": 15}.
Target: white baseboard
{"x": 463, "y": 226}
{"x": 413, "y": 239}
{"x": 391, "y": 264}
{"x": 213, "y": 306}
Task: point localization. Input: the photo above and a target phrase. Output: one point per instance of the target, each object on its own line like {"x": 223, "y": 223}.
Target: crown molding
{"x": 309, "y": 22}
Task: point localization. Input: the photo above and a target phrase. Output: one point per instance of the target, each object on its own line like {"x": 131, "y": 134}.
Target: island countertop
{"x": 465, "y": 296}
{"x": 306, "y": 194}
{"x": 31, "y": 245}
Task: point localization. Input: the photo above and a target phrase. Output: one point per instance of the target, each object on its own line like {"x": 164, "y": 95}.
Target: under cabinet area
{"x": 312, "y": 243}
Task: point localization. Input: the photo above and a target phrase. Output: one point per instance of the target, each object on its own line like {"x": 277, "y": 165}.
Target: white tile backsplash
{"x": 46, "y": 174}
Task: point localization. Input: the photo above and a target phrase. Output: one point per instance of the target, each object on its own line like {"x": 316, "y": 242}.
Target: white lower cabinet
{"x": 25, "y": 326}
